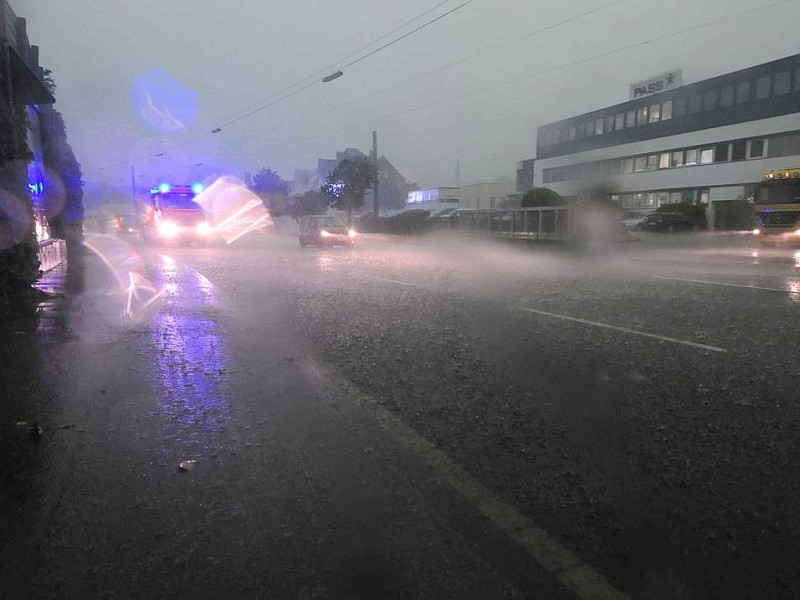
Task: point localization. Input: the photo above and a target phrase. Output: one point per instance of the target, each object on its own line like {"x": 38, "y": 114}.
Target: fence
{"x": 541, "y": 224}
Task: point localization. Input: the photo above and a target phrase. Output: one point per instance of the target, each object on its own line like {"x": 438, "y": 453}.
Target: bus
{"x": 777, "y": 207}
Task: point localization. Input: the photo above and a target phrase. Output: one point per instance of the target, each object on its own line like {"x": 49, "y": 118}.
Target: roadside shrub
{"x": 367, "y": 223}
{"x": 410, "y": 222}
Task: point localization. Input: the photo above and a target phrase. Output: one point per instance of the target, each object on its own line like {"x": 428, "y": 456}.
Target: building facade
{"x": 707, "y": 143}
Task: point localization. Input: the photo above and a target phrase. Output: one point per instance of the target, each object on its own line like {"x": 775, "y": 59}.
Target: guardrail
{"x": 51, "y": 254}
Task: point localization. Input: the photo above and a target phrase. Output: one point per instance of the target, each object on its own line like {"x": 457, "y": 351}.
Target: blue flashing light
{"x": 164, "y": 188}
{"x": 197, "y": 188}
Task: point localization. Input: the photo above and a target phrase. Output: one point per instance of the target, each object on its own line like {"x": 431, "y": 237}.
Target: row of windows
{"x": 777, "y": 84}
{"x": 652, "y": 200}
{"x": 669, "y": 159}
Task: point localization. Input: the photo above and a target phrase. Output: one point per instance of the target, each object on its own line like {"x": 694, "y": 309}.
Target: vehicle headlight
{"x": 203, "y": 228}
{"x": 352, "y": 233}
{"x": 756, "y": 231}
{"x": 325, "y": 233}
{"x": 167, "y": 228}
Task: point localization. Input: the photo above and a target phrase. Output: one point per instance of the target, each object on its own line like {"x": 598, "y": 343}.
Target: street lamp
{"x": 332, "y": 76}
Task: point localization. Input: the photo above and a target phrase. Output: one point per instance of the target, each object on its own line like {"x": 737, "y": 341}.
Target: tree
{"x": 19, "y": 261}
{"x": 313, "y": 202}
{"x": 349, "y": 182}
{"x": 541, "y": 196}
{"x": 272, "y": 189}
{"x": 63, "y": 199}
{"x": 267, "y": 181}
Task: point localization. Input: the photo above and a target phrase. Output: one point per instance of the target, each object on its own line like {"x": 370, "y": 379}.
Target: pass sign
{"x": 654, "y": 85}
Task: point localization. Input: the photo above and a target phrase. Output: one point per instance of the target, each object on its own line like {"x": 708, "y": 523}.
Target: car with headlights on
{"x": 324, "y": 230}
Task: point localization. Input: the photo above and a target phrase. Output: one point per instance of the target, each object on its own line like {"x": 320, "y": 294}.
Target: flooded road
{"x": 410, "y": 418}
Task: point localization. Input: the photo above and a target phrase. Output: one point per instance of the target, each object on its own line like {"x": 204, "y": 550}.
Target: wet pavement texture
{"x": 667, "y": 461}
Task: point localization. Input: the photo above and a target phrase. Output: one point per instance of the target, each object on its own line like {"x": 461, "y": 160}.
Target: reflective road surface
{"x": 412, "y": 418}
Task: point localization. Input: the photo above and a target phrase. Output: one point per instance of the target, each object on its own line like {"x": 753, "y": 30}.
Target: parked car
{"x": 322, "y": 230}
{"x": 665, "y": 222}
{"x": 632, "y": 220}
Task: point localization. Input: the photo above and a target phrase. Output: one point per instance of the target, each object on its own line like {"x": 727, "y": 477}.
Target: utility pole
{"x": 458, "y": 172}
{"x": 375, "y": 209}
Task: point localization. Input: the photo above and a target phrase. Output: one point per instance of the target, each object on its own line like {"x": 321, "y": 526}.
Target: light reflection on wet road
{"x": 190, "y": 358}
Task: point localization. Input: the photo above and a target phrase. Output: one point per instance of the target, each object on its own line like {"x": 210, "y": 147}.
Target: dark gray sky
{"x": 238, "y": 54}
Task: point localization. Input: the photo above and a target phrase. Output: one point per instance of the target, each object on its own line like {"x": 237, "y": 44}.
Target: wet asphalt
{"x": 636, "y": 402}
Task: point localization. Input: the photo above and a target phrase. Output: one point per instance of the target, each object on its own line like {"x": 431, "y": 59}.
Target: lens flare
{"x": 233, "y": 209}
{"x": 162, "y": 102}
{"x": 129, "y": 295}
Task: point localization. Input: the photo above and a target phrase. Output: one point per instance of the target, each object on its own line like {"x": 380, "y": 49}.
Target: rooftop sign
{"x": 654, "y": 85}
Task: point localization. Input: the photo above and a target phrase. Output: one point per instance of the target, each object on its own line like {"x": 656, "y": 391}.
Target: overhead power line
{"x": 438, "y": 70}
{"x": 518, "y": 78}
{"x": 312, "y": 79}
{"x": 405, "y": 35}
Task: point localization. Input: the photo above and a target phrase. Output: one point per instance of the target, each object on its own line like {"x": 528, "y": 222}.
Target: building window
{"x": 797, "y": 79}
{"x": 589, "y": 128}
{"x": 663, "y": 198}
{"x": 609, "y": 125}
{"x": 784, "y": 145}
{"x": 691, "y": 156}
{"x": 721, "y": 153}
{"x": 675, "y": 197}
{"x": 641, "y": 116}
{"x": 782, "y": 83}
{"x": 756, "y": 149}
{"x": 666, "y": 110}
{"x": 630, "y": 119}
{"x": 680, "y": 107}
{"x": 762, "y": 87}
{"x": 640, "y": 163}
{"x": 704, "y": 197}
{"x": 739, "y": 151}
{"x": 743, "y": 92}
{"x": 663, "y": 161}
{"x": 655, "y": 113}
{"x": 677, "y": 159}
{"x": 652, "y": 162}
{"x": 726, "y": 96}
{"x": 571, "y": 133}
{"x": 710, "y": 100}
{"x": 706, "y": 156}
{"x": 627, "y": 165}
{"x": 620, "y": 121}
{"x": 598, "y": 126}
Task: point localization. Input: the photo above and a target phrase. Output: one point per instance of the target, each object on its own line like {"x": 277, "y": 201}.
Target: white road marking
{"x": 654, "y": 336}
{"x": 581, "y": 578}
{"x": 392, "y": 281}
{"x": 736, "y": 285}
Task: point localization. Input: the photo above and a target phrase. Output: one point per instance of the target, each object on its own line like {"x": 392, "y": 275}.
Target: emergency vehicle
{"x": 170, "y": 213}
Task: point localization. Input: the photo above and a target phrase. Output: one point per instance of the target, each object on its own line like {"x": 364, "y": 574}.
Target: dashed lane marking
{"x": 395, "y": 281}
{"x": 736, "y": 285}
{"x": 654, "y": 336}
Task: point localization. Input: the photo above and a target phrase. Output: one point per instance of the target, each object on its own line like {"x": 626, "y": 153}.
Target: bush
{"x": 409, "y": 222}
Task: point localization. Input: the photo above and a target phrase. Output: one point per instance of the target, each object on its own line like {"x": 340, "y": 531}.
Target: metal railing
{"x": 540, "y": 224}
